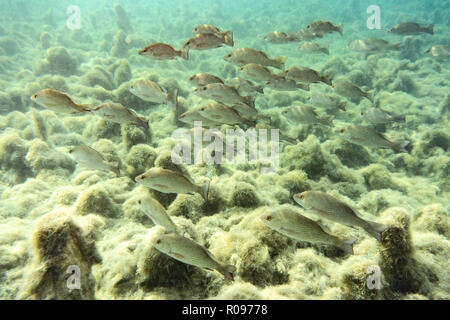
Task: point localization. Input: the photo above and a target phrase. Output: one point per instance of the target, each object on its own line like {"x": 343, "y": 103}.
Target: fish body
{"x": 189, "y": 117}
{"x": 326, "y": 101}
{"x": 117, "y": 113}
{"x": 223, "y": 94}
{"x": 305, "y": 35}
{"x": 284, "y": 84}
{"x": 328, "y": 207}
{"x": 223, "y": 114}
{"x": 190, "y": 252}
{"x": 204, "y": 41}
{"x": 206, "y": 28}
{"x": 168, "y": 181}
{"x": 92, "y": 159}
{"x": 243, "y": 56}
{"x": 305, "y": 75}
{"x": 278, "y": 37}
{"x": 306, "y": 115}
{"x": 369, "y": 137}
{"x": 292, "y": 224}
{"x": 156, "y": 212}
{"x": 59, "y": 102}
{"x": 163, "y": 51}
{"x": 244, "y": 87}
{"x": 313, "y": 48}
{"x": 411, "y": 28}
{"x": 322, "y": 27}
{"x": 440, "y": 52}
{"x": 151, "y": 91}
{"x": 202, "y": 79}
{"x": 380, "y": 116}
{"x": 257, "y": 72}
{"x": 351, "y": 91}
{"x": 372, "y": 44}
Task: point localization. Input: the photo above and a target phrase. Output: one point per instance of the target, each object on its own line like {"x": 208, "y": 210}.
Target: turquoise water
{"x": 75, "y": 229}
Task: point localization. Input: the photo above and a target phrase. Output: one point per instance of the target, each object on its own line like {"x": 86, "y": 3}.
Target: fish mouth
{"x": 298, "y": 198}
{"x": 34, "y": 96}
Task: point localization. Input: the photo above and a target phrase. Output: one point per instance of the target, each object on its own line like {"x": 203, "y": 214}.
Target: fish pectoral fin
{"x": 209, "y": 269}
{"x": 161, "y": 186}
{"x": 289, "y": 231}
{"x": 175, "y": 254}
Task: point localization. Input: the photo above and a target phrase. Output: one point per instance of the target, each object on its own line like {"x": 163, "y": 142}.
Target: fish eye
{"x": 362, "y": 113}
{"x": 302, "y": 196}
{"x": 342, "y": 130}
{"x": 188, "y": 42}
{"x": 158, "y": 241}
{"x": 268, "y": 218}
{"x": 204, "y": 88}
{"x": 192, "y": 78}
{"x": 71, "y": 150}
{"x": 140, "y": 201}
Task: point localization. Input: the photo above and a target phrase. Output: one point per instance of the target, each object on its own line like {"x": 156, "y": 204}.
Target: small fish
{"x": 189, "y": 117}
{"x": 202, "y": 79}
{"x": 168, "y": 181}
{"x": 244, "y": 87}
{"x": 243, "y": 56}
{"x": 117, "y": 113}
{"x": 313, "y": 48}
{"x": 189, "y": 252}
{"x": 92, "y": 159}
{"x": 440, "y": 52}
{"x": 302, "y": 35}
{"x": 292, "y": 224}
{"x": 305, "y": 75}
{"x": 372, "y": 44}
{"x": 223, "y": 94}
{"x": 322, "y": 27}
{"x": 349, "y": 90}
{"x": 411, "y": 28}
{"x": 59, "y": 102}
{"x": 223, "y": 114}
{"x": 278, "y": 37}
{"x": 326, "y": 101}
{"x": 246, "y": 111}
{"x": 306, "y": 115}
{"x": 156, "y": 212}
{"x": 368, "y": 137}
{"x": 284, "y": 84}
{"x": 163, "y": 51}
{"x": 335, "y": 210}
{"x": 380, "y": 116}
{"x": 151, "y": 91}
{"x": 204, "y": 41}
{"x": 257, "y": 72}
{"x": 206, "y": 28}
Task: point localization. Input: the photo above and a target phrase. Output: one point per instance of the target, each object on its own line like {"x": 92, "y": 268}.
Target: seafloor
{"x": 54, "y": 214}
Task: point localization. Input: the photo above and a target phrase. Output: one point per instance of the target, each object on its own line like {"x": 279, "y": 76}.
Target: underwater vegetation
{"x": 95, "y": 204}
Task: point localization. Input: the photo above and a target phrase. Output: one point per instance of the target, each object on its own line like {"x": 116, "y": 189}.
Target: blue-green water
{"x": 75, "y": 228}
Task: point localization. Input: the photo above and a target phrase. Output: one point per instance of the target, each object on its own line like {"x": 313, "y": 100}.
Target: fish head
{"x": 144, "y": 176}
{"x": 228, "y": 56}
{"x": 300, "y": 199}
{"x": 145, "y": 52}
{"x": 192, "y": 77}
{"x": 161, "y": 243}
{"x": 267, "y": 218}
{"x": 188, "y": 44}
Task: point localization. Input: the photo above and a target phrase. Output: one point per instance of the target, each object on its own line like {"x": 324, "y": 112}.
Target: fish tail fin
{"x": 429, "y": 29}
{"x": 326, "y": 121}
{"x": 84, "y": 108}
{"x": 400, "y": 145}
{"x": 370, "y": 95}
{"x": 347, "y": 246}
{"x": 145, "y": 122}
{"x": 326, "y": 51}
{"x": 184, "y": 53}
{"x": 204, "y": 190}
{"x": 250, "y": 101}
{"x": 172, "y": 99}
{"x": 326, "y": 79}
{"x": 340, "y": 29}
{"x": 303, "y": 86}
{"x": 279, "y": 62}
{"x": 228, "y": 38}
{"x": 259, "y": 89}
{"x": 400, "y": 118}
{"x": 116, "y": 168}
{"x": 397, "y": 46}
{"x": 228, "y": 271}
{"x": 375, "y": 229}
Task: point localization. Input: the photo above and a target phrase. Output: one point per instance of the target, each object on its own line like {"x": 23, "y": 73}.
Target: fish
{"x": 284, "y": 84}
{"x": 151, "y": 91}
{"x": 206, "y": 28}
{"x": 59, "y": 102}
{"x": 326, "y": 101}
{"x": 187, "y": 251}
{"x": 411, "y": 28}
{"x": 298, "y": 227}
{"x": 163, "y": 51}
{"x": 380, "y": 116}
{"x": 202, "y": 79}
{"x": 117, "y": 113}
{"x": 190, "y": 116}
{"x": 440, "y": 52}
{"x": 244, "y": 87}
{"x": 369, "y": 137}
{"x": 168, "y": 181}
{"x": 302, "y": 35}
{"x": 306, "y": 115}
{"x": 313, "y": 48}
{"x": 223, "y": 114}
{"x": 257, "y": 72}
{"x": 156, "y": 212}
{"x": 372, "y": 44}
{"x": 278, "y": 37}
{"x": 204, "y": 41}
{"x": 322, "y": 27}
{"x": 351, "y": 91}
{"x": 243, "y": 56}
{"x": 223, "y": 94}
{"x": 92, "y": 159}
{"x": 305, "y": 75}
{"x": 328, "y": 207}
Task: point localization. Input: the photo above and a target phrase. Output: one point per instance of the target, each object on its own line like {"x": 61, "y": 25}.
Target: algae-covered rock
{"x": 99, "y": 77}
{"x": 58, "y": 62}
{"x": 45, "y": 40}
{"x": 133, "y": 135}
{"x": 433, "y": 218}
{"x": 140, "y": 159}
{"x": 96, "y": 199}
{"x": 64, "y": 253}
{"x": 244, "y": 195}
{"x": 9, "y": 45}
{"x": 378, "y": 177}
{"x": 40, "y": 157}
{"x": 122, "y": 20}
